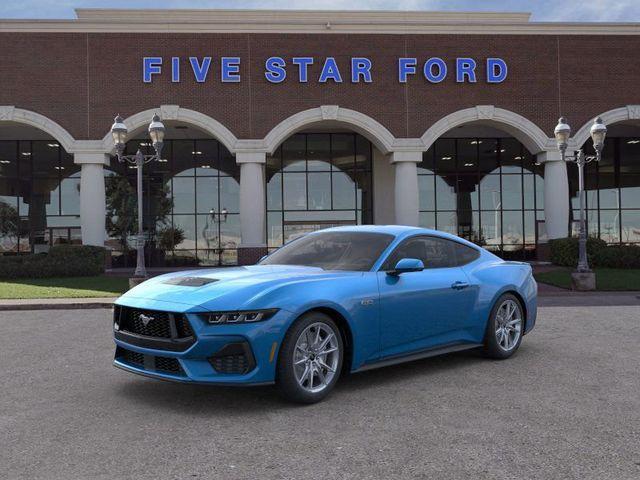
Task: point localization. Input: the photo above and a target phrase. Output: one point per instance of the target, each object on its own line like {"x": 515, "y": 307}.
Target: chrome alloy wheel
{"x": 508, "y": 325}
{"x": 316, "y": 357}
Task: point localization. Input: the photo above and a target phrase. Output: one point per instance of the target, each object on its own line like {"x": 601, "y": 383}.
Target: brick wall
{"x": 82, "y": 80}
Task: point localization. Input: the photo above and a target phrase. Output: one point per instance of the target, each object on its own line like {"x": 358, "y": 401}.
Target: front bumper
{"x": 217, "y": 355}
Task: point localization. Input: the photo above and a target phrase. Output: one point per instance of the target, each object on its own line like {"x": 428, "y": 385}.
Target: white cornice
{"x": 302, "y": 21}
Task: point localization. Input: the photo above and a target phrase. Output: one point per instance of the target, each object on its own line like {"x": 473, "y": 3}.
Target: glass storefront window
{"x": 39, "y": 196}
{"x": 200, "y": 179}
{"x": 612, "y": 188}
{"x": 487, "y": 190}
{"x": 315, "y": 181}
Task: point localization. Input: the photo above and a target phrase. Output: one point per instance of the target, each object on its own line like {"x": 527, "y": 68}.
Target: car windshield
{"x": 353, "y": 251}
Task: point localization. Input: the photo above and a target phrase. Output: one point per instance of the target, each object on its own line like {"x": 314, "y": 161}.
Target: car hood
{"x": 226, "y": 288}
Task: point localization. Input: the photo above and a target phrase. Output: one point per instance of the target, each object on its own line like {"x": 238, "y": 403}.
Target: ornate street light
{"x": 598, "y": 133}
{"x": 119, "y": 133}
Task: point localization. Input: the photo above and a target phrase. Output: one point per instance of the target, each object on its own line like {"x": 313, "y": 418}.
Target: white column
{"x": 406, "y": 186}
{"x": 92, "y": 197}
{"x": 252, "y": 199}
{"x": 556, "y": 194}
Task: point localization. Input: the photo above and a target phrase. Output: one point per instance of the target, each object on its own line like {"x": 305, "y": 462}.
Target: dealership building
{"x": 284, "y": 122}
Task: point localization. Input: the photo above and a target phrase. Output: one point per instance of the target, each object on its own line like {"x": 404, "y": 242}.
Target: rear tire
{"x": 310, "y": 359}
{"x": 504, "y": 328}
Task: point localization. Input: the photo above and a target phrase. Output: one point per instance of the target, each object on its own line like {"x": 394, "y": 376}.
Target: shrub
{"x": 618, "y": 256}
{"x": 61, "y": 261}
{"x": 564, "y": 251}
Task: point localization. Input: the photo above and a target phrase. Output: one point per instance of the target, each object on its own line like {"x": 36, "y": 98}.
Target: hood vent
{"x": 190, "y": 281}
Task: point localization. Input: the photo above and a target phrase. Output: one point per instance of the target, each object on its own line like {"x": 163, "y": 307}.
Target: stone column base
{"x": 250, "y": 255}
{"x": 583, "y": 281}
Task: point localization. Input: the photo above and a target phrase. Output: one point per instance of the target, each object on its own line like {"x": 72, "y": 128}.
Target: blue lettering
{"x": 465, "y": 67}
{"x": 496, "y": 70}
{"x": 275, "y": 69}
{"x": 360, "y": 67}
{"x": 151, "y": 66}
{"x": 200, "y": 72}
{"x": 330, "y": 71}
{"x": 406, "y": 66}
{"x": 303, "y": 66}
{"x": 175, "y": 69}
{"x": 428, "y": 70}
{"x": 230, "y": 70}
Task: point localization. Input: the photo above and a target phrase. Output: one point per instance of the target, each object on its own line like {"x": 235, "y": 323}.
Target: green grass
{"x": 72, "y": 287}
{"x": 607, "y": 279}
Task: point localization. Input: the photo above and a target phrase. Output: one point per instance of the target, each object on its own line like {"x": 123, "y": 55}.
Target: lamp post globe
{"x": 562, "y": 133}
{"x": 119, "y": 133}
{"x": 156, "y": 132}
{"x": 598, "y": 133}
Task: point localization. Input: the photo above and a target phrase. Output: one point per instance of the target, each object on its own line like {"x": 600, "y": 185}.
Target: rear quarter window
{"x": 465, "y": 254}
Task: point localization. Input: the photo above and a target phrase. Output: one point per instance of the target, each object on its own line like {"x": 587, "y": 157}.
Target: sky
{"x": 542, "y": 10}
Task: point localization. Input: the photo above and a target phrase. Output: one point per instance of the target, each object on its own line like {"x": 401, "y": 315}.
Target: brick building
{"x": 282, "y": 122}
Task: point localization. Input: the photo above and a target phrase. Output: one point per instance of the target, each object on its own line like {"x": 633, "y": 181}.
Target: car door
{"x": 423, "y": 309}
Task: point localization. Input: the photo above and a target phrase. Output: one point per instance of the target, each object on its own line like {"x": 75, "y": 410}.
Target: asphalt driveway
{"x": 566, "y": 406}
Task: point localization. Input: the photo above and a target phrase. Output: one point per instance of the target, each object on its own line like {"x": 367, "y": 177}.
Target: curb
{"x": 9, "y": 307}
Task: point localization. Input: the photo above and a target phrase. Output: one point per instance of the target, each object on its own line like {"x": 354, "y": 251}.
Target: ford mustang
{"x": 329, "y": 303}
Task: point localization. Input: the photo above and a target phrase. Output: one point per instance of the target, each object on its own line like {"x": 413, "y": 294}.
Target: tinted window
{"x": 433, "y": 251}
{"x": 465, "y": 254}
{"x": 354, "y": 251}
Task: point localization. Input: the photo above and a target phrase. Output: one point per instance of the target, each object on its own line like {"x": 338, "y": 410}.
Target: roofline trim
{"x": 311, "y": 22}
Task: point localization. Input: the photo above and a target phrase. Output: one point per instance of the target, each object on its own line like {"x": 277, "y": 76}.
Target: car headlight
{"x": 241, "y": 316}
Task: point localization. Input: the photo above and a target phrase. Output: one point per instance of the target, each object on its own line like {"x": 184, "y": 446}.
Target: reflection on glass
{"x": 490, "y": 182}
{"x": 319, "y": 191}
{"x": 317, "y": 194}
{"x": 295, "y": 191}
{"x": 630, "y": 224}
{"x": 610, "y": 225}
{"x": 427, "y": 192}
{"x": 512, "y": 192}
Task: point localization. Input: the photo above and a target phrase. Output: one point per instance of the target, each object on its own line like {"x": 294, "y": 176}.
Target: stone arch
{"x": 373, "y": 130}
{"x": 629, "y": 112}
{"x": 177, "y": 113}
{"x": 10, "y": 113}
{"x": 527, "y": 132}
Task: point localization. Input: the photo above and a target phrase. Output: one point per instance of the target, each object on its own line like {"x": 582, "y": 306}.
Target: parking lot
{"x": 566, "y": 406}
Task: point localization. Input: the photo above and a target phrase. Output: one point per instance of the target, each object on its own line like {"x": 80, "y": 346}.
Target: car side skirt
{"x": 432, "y": 352}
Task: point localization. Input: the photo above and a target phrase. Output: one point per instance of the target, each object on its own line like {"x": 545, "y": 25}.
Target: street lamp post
{"x": 562, "y": 133}
{"x": 119, "y": 133}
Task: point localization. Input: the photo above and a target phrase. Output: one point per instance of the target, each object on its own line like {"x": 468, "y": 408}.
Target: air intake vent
{"x": 190, "y": 281}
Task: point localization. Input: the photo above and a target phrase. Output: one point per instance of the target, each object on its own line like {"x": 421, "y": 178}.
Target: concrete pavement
{"x": 566, "y": 406}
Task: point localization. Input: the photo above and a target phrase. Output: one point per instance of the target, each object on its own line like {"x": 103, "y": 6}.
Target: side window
{"x": 433, "y": 251}
{"x": 465, "y": 254}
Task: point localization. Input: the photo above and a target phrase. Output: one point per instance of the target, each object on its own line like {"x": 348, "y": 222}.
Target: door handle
{"x": 459, "y": 285}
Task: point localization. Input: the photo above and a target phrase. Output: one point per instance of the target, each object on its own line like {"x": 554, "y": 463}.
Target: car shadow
{"x": 214, "y": 400}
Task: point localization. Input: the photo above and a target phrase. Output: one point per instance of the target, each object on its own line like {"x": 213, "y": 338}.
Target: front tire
{"x": 310, "y": 358}
{"x": 504, "y": 328}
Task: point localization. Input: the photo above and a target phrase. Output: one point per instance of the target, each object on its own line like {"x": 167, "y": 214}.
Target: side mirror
{"x": 406, "y": 265}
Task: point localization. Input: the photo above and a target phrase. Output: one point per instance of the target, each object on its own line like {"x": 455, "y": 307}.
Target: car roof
{"x": 398, "y": 231}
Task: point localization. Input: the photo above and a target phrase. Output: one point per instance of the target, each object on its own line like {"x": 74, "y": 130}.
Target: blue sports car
{"x": 335, "y": 301}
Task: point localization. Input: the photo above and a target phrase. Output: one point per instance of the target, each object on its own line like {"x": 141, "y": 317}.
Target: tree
{"x": 122, "y": 209}
{"x": 9, "y": 221}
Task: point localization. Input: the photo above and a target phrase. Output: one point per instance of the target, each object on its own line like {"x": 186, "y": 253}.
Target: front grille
{"x": 149, "y": 362}
{"x": 153, "y": 324}
{"x": 183, "y": 327}
{"x": 233, "y": 358}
